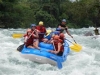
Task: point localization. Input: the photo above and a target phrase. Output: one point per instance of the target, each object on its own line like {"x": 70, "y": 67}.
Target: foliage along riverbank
{"x": 21, "y": 13}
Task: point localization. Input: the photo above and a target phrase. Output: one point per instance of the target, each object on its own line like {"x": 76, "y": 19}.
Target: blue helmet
{"x": 33, "y": 25}
{"x": 58, "y": 29}
{"x": 63, "y": 20}
{"x": 56, "y": 32}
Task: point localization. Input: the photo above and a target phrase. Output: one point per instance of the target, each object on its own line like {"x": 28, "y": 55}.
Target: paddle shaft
{"x": 20, "y": 47}
{"x": 77, "y": 46}
{"x": 31, "y": 34}
{"x": 74, "y": 40}
{"x": 69, "y": 41}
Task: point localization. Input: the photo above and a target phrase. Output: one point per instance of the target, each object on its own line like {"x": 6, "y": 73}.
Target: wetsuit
{"x": 63, "y": 27}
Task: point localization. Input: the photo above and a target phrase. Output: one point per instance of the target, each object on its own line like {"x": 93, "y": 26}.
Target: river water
{"x": 86, "y": 62}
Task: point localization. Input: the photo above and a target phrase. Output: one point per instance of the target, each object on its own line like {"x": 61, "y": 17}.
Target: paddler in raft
{"x": 58, "y": 45}
{"x": 31, "y": 37}
{"x": 63, "y": 27}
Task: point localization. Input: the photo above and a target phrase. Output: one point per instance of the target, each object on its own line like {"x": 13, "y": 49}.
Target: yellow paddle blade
{"x": 76, "y": 47}
{"x": 17, "y": 35}
{"x": 48, "y": 32}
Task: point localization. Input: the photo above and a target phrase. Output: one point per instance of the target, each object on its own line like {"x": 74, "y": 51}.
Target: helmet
{"x": 63, "y": 20}
{"x": 28, "y": 30}
{"x": 56, "y": 37}
{"x": 58, "y": 29}
{"x": 61, "y": 35}
{"x": 48, "y": 32}
{"x": 33, "y": 25}
{"x": 56, "y": 32}
{"x": 40, "y": 23}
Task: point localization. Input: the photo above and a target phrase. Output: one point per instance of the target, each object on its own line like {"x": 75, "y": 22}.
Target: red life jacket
{"x": 42, "y": 32}
{"x": 41, "y": 29}
{"x": 61, "y": 36}
{"x": 56, "y": 45}
{"x": 25, "y": 35}
{"x": 29, "y": 41}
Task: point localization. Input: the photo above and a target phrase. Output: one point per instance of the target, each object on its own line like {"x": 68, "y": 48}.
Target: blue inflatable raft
{"x": 45, "y": 57}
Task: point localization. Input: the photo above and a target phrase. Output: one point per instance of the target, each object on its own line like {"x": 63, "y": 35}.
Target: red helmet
{"x": 56, "y": 37}
{"x": 28, "y": 30}
{"x": 62, "y": 35}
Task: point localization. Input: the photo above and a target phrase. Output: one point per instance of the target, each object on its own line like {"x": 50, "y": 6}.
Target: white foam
{"x": 85, "y": 62}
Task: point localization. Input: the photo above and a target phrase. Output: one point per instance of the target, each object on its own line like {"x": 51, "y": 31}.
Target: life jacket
{"x": 42, "y": 32}
{"x": 29, "y": 41}
{"x": 56, "y": 45}
{"x": 61, "y": 36}
{"x": 34, "y": 32}
{"x": 41, "y": 29}
{"x": 27, "y": 33}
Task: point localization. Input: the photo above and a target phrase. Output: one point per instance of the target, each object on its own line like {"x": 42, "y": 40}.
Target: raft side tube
{"x": 39, "y": 59}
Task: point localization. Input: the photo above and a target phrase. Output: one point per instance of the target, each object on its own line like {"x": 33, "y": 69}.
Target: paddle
{"x": 59, "y": 64}
{"x": 74, "y": 40}
{"x": 20, "y": 48}
{"x": 75, "y": 47}
{"x": 17, "y": 35}
{"x": 20, "y": 35}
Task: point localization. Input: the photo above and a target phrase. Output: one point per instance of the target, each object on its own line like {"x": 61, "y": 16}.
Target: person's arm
{"x": 25, "y": 39}
{"x": 36, "y": 34}
{"x": 59, "y": 47}
{"x": 56, "y": 51}
{"x": 68, "y": 32}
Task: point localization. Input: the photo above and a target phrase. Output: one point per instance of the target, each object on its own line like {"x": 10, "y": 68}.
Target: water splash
{"x": 85, "y": 62}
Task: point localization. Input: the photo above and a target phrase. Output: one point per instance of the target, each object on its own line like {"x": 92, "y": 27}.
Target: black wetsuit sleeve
{"x": 64, "y": 26}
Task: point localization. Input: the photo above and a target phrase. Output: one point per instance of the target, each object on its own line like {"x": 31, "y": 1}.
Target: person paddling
{"x": 63, "y": 27}
{"x": 30, "y": 39}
